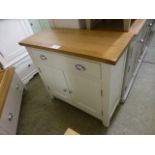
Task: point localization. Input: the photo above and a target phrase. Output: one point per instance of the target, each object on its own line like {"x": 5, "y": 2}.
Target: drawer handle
{"x": 142, "y": 40}
{"x": 80, "y": 67}
{"x": 65, "y": 90}
{"x": 43, "y": 57}
{"x": 150, "y": 24}
{"x": 70, "y": 92}
{"x": 10, "y": 116}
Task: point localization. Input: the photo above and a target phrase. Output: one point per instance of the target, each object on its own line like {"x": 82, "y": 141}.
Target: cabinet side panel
{"x": 106, "y": 77}
{"x": 112, "y": 79}
{"x": 117, "y": 74}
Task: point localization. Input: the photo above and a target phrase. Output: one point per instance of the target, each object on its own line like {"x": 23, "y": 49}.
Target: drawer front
{"x": 81, "y": 67}
{"x": 10, "y": 113}
{"x": 24, "y": 67}
{"x": 67, "y": 63}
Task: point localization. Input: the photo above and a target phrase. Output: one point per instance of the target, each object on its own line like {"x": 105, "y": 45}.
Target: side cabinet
{"x": 10, "y": 113}
{"x": 136, "y": 51}
{"x": 86, "y": 84}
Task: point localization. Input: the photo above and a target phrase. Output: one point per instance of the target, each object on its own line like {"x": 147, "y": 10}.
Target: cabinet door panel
{"x": 56, "y": 82}
{"x": 85, "y": 93}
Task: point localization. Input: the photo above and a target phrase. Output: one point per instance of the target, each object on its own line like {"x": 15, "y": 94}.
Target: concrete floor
{"x": 42, "y": 116}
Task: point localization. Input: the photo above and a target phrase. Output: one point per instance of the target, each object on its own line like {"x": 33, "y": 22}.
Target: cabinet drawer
{"x": 67, "y": 63}
{"x": 10, "y": 113}
{"x": 24, "y": 67}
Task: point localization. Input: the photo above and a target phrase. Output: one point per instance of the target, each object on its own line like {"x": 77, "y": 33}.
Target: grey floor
{"x": 42, "y": 116}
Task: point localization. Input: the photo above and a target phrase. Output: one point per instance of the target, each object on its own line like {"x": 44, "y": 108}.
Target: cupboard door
{"x": 55, "y": 82}
{"x": 12, "y": 31}
{"x": 85, "y": 93}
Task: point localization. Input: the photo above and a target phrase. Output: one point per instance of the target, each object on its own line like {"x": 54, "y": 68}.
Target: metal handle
{"x": 1, "y": 54}
{"x": 141, "y": 40}
{"x": 43, "y": 57}
{"x": 150, "y": 24}
{"x": 70, "y": 92}
{"x": 17, "y": 86}
{"x": 65, "y": 90}
{"x": 10, "y": 116}
{"x": 80, "y": 67}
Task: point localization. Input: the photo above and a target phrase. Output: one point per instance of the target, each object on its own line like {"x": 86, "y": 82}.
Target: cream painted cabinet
{"x": 72, "y": 81}
{"x": 91, "y": 86}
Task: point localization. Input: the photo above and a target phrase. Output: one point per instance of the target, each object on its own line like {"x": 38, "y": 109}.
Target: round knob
{"x": 10, "y": 116}
{"x": 142, "y": 40}
{"x": 150, "y": 24}
{"x": 65, "y": 90}
{"x": 70, "y": 92}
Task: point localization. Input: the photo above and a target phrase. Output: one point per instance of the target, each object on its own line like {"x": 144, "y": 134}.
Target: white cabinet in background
{"x": 11, "y": 53}
{"x": 10, "y": 113}
{"x": 91, "y": 86}
{"x": 25, "y": 69}
{"x": 11, "y": 32}
{"x": 38, "y": 25}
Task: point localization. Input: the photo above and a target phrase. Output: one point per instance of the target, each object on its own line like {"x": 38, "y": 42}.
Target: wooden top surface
{"x": 70, "y": 131}
{"x": 5, "y": 80}
{"x": 104, "y": 46}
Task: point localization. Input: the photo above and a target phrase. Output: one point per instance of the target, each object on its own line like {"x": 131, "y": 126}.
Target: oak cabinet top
{"x": 103, "y": 46}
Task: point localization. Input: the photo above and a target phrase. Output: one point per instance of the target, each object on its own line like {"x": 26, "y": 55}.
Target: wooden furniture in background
{"x": 70, "y": 131}
{"x": 11, "y": 89}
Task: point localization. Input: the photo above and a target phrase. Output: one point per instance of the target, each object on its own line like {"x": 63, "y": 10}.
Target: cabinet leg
{"x": 122, "y": 101}
{"x": 106, "y": 122}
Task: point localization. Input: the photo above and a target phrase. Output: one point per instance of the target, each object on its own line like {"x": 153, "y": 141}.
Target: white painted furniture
{"x": 137, "y": 49}
{"x": 91, "y": 86}
{"x": 38, "y": 25}
{"x": 10, "y": 113}
{"x": 11, "y": 53}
